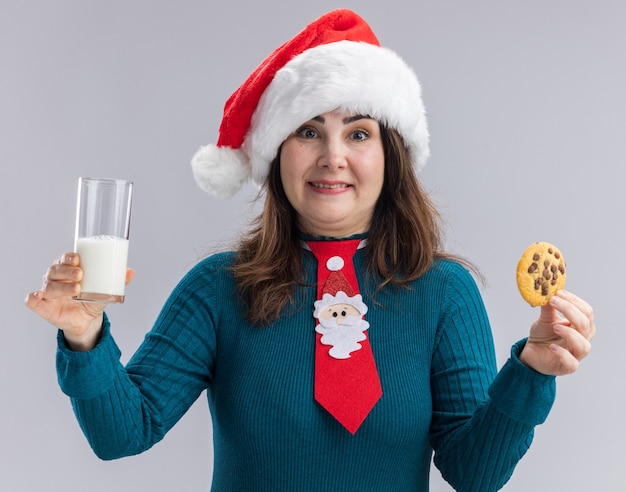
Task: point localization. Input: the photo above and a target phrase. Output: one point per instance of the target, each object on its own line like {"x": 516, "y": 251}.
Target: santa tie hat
{"x": 337, "y": 290}
{"x": 336, "y": 62}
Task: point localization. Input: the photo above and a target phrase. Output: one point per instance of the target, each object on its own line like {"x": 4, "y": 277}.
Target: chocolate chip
{"x": 536, "y": 256}
{"x": 533, "y": 268}
{"x": 546, "y": 274}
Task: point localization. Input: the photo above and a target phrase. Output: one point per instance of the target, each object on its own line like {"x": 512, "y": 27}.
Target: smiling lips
{"x": 329, "y": 187}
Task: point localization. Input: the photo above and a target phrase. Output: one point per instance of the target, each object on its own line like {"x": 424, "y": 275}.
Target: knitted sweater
{"x": 434, "y": 353}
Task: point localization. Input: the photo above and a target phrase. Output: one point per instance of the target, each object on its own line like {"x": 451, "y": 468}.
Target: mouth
{"x": 328, "y": 186}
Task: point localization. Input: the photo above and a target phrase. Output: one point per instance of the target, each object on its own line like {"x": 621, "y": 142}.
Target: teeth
{"x": 329, "y": 187}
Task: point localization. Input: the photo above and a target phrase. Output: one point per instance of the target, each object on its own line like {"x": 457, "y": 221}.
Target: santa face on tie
{"x": 341, "y": 323}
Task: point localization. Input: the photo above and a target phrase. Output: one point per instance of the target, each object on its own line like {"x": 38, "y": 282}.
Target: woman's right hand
{"x": 80, "y": 321}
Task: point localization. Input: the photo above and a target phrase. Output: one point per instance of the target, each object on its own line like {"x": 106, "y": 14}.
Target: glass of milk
{"x": 101, "y": 240}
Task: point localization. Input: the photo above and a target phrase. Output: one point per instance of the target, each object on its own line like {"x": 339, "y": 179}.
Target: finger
{"x": 61, "y": 280}
{"x": 33, "y": 299}
{"x": 38, "y": 302}
{"x": 577, "y": 312}
{"x": 566, "y": 362}
{"x": 68, "y": 258}
{"x": 65, "y": 268}
{"x": 548, "y": 313}
{"x": 573, "y": 341}
{"x": 583, "y": 306}
{"x": 130, "y": 275}
{"x": 63, "y": 273}
{"x": 46, "y": 308}
{"x": 54, "y": 289}
{"x": 71, "y": 258}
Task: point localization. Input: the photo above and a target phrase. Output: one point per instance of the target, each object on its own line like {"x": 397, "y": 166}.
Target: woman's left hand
{"x": 561, "y": 337}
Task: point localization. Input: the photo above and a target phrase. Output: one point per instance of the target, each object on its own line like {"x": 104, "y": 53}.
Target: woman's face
{"x": 332, "y": 171}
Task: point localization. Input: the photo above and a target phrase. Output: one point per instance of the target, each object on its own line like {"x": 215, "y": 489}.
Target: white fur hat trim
{"x": 360, "y": 77}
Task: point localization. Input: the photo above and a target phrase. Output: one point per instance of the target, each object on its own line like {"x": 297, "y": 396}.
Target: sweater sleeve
{"x": 483, "y": 422}
{"x": 125, "y": 410}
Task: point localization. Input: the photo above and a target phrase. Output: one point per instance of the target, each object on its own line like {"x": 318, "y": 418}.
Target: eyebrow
{"x": 346, "y": 121}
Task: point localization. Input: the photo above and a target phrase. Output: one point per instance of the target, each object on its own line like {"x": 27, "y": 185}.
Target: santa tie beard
{"x": 344, "y": 337}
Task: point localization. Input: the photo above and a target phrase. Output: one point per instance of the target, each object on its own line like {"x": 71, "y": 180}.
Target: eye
{"x": 335, "y": 314}
{"x": 343, "y": 313}
{"x": 307, "y": 132}
{"x": 359, "y": 135}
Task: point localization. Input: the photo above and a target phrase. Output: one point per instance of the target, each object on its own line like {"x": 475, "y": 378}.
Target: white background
{"x": 526, "y": 103}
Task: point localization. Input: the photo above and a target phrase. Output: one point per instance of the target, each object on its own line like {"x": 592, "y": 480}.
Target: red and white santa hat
{"x": 336, "y": 62}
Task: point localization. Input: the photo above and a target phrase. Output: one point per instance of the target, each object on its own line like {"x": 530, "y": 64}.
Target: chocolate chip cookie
{"x": 540, "y": 273}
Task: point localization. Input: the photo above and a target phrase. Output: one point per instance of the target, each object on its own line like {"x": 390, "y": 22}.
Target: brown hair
{"x": 405, "y": 236}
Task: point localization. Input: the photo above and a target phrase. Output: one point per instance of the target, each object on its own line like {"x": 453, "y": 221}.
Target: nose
{"x": 333, "y": 155}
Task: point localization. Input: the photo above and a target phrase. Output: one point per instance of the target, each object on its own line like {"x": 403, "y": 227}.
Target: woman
{"x": 397, "y": 359}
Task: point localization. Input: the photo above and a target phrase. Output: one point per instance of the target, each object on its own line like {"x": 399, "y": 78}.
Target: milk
{"x": 103, "y": 260}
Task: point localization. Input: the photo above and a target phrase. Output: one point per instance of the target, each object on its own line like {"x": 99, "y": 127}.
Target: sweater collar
{"x": 304, "y": 238}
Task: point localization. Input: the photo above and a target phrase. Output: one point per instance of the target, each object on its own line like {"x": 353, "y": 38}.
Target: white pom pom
{"x": 335, "y": 263}
{"x": 220, "y": 171}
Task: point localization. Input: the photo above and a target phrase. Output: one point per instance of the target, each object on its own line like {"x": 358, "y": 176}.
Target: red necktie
{"x": 346, "y": 379}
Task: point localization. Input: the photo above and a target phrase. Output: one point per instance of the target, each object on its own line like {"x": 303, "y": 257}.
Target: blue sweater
{"x": 434, "y": 353}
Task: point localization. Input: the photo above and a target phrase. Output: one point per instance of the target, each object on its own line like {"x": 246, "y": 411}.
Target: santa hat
{"x": 336, "y": 62}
